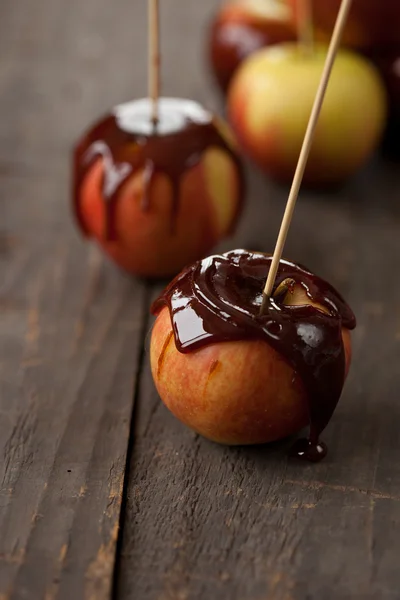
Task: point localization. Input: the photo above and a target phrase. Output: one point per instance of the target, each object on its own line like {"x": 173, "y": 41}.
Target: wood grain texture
{"x": 204, "y": 521}
{"x": 71, "y": 325}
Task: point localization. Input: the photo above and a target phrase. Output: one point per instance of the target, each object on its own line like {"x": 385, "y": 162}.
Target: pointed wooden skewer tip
{"x": 305, "y": 150}
{"x": 154, "y": 59}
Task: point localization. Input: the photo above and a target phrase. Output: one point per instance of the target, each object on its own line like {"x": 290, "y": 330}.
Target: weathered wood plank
{"x": 68, "y": 427}
{"x": 71, "y": 332}
{"x": 70, "y": 325}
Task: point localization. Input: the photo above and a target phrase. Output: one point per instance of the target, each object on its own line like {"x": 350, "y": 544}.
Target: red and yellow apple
{"x": 238, "y": 392}
{"x": 160, "y": 240}
{"x": 270, "y": 101}
{"x": 240, "y": 28}
{"x": 371, "y": 23}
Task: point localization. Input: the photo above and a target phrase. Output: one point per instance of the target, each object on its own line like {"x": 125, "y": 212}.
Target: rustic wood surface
{"x": 198, "y": 521}
{"x": 70, "y": 324}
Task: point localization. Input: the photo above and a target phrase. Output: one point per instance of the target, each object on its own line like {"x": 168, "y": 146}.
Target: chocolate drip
{"x": 127, "y": 141}
{"x": 219, "y": 298}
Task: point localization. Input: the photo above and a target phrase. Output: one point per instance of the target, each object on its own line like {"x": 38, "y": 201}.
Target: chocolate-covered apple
{"x": 237, "y": 375}
{"x": 270, "y": 101}
{"x": 371, "y": 23}
{"x": 157, "y": 196}
{"x": 240, "y": 28}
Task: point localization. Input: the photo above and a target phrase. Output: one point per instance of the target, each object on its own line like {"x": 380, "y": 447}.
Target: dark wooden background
{"x": 103, "y": 493}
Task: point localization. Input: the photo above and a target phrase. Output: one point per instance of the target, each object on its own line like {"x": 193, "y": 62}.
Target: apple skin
{"x": 270, "y": 101}
{"x": 240, "y": 392}
{"x": 388, "y": 63}
{"x": 371, "y": 23}
{"x": 145, "y": 243}
{"x": 241, "y": 28}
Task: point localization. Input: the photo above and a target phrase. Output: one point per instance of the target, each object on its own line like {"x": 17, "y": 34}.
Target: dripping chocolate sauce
{"x": 127, "y": 140}
{"x": 219, "y": 299}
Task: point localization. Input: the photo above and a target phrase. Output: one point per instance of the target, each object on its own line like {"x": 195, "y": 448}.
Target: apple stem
{"x": 306, "y": 147}
{"x": 305, "y": 26}
{"x": 154, "y": 58}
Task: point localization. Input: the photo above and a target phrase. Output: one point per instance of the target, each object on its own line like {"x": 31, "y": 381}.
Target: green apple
{"x": 270, "y": 101}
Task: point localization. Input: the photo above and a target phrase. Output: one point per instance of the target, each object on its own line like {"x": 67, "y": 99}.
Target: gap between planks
{"x": 131, "y": 440}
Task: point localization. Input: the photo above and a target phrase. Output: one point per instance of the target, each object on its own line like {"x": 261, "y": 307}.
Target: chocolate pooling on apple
{"x": 127, "y": 140}
{"x": 218, "y": 299}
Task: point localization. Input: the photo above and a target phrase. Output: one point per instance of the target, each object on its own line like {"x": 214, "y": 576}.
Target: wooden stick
{"x": 305, "y": 150}
{"x": 154, "y": 58}
{"x": 305, "y": 27}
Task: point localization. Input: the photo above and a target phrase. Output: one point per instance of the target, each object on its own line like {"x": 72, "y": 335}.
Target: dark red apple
{"x": 371, "y": 23}
{"x": 388, "y": 62}
{"x": 242, "y": 27}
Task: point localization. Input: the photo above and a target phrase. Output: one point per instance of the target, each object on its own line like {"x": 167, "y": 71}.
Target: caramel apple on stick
{"x": 157, "y": 181}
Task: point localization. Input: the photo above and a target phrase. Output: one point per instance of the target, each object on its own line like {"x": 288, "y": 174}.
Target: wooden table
{"x": 103, "y": 493}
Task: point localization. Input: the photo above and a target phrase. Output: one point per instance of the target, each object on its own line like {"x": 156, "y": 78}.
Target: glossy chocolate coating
{"x": 128, "y": 141}
{"x": 219, "y": 299}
